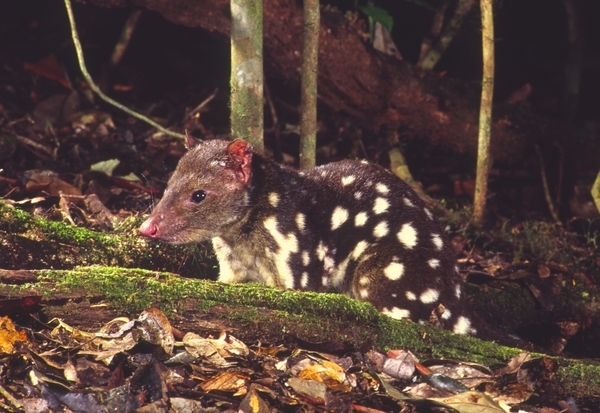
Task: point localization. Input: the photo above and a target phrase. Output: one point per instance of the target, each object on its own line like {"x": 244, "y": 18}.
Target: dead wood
{"x": 29, "y": 242}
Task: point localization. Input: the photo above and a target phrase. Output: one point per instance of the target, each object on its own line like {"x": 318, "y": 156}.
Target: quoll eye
{"x": 198, "y": 196}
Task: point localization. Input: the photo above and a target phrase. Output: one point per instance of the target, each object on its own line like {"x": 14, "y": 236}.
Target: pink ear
{"x": 240, "y": 158}
{"x": 190, "y": 141}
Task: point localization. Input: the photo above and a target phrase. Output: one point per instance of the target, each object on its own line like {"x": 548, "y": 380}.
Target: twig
{"x": 202, "y": 104}
{"x": 277, "y": 147}
{"x": 574, "y": 59}
{"x": 545, "y": 185}
{"x": 10, "y": 398}
{"x": 399, "y": 167}
{"x": 436, "y": 51}
{"x": 95, "y": 87}
{"x": 37, "y": 148}
{"x": 434, "y": 32}
{"x": 596, "y": 191}
{"x": 561, "y": 169}
{"x": 125, "y": 38}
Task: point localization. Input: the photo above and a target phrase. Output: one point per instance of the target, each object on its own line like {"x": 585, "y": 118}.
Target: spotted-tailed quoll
{"x": 347, "y": 227}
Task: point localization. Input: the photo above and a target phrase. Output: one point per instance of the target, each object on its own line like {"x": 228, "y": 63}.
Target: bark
{"x": 308, "y": 87}
{"x": 247, "y": 71}
{"x": 485, "y": 112}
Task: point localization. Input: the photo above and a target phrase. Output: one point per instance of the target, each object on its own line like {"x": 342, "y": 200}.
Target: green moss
{"x": 570, "y": 376}
{"x": 38, "y": 243}
{"x": 132, "y": 290}
{"x": 311, "y": 316}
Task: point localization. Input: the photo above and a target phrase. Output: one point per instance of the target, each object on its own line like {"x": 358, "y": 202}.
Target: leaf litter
{"x": 144, "y": 364}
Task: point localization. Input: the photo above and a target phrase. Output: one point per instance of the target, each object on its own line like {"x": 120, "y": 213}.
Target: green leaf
{"x": 107, "y": 166}
{"x": 378, "y": 15}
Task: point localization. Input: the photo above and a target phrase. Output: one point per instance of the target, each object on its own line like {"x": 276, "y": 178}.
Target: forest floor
{"x": 66, "y": 156}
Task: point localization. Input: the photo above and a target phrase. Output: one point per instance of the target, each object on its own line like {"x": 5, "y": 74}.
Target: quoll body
{"x": 345, "y": 227}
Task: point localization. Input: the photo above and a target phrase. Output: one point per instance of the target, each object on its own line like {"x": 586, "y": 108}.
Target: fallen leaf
{"x": 228, "y": 382}
{"x": 49, "y": 68}
{"x": 10, "y": 336}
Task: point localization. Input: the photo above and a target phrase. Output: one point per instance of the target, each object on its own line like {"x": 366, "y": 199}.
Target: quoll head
{"x": 206, "y": 194}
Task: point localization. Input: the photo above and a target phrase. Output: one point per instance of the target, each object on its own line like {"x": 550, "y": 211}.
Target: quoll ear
{"x": 239, "y": 156}
{"x": 190, "y": 141}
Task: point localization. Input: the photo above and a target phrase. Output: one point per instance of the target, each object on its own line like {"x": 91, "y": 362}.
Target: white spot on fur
{"x": 288, "y": 244}
{"x": 304, "y": 280}
{"x": 394, "y": 295}
{"x": 325, "y": 281}
{"x": 437, "y": 241}
{"x": 220, "y": 245}
{"x": 222, "y": 251}
{"x": 429, "y": 296}
{"x": 382, "y": 188}
{"x": 364, "y": 293}
{"x": 321, "y": 251}
{"x": 433, "y": 263}
{"x": 411, "y": 296}
{"x": 428, "y": 213}
{"x": 339, "y": 216}
{"x": 446, "y": 314}
{"x": 457, "y": 269}
{"x": 236, "y": 267}
{"x": 397, "y": 313}
{"x": 347, "y": 180}
{"x": 361, "y": 246}
{"x": 360, "y": 219}
{"x": 408, "y": 202}
{"x": 274, "y": 199}
{"x": 381, "y": 230}
{"x": 457, "y": 291}
{"x": 300, "y": 221}
{"x": 364, "y": 281}
{"x": 463, "y": 326}
{"x": 328, "y": 264}
{"x": 394, "y": 271}
{"x": 358, "y": 195}
{"x": 305, "y": 258}
{"x": 364, "y": 161}
{"x": 338, "y": 275}
{"x": 407, "y": 235}
{"x": 381, "y": 205}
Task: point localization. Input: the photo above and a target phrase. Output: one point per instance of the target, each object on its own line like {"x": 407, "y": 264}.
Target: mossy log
{"x": 40, "y": 259}
{"x": 86, "y": 297}
{"x": 29, "y": 242}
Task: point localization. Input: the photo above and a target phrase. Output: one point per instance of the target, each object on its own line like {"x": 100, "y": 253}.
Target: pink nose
{"x": 149, "y": 228}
